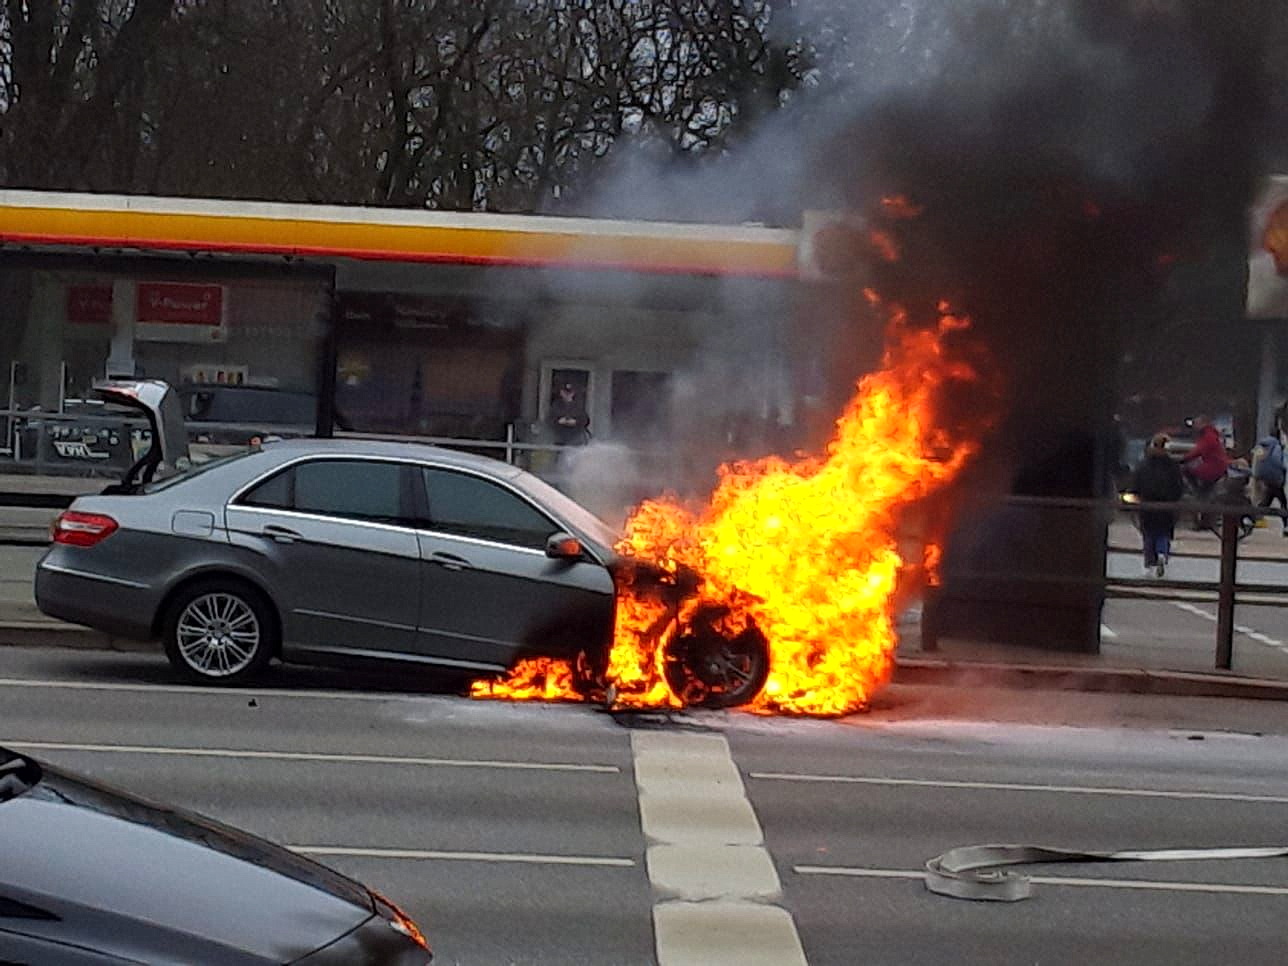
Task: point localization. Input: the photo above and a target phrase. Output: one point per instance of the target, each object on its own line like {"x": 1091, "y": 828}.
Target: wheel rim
{"x": 218, "y": 634}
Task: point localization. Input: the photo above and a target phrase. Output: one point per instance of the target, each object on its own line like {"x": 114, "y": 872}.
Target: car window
{"x": 276, "y": 492}
{"x": 473, "y": 507}
{"x": 350, "y": 488}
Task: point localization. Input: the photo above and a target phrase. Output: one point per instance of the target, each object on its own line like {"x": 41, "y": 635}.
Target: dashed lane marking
{"x": 1157, "y": 885}
{"x": 245, "y": 753}
{"x": 1018, "y": 787}
{"x": 435, "y": 855}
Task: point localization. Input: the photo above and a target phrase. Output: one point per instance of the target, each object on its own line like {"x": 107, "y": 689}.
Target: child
{"x": 1157, "y": 480}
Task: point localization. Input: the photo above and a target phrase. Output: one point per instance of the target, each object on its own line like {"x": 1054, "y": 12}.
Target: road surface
{"x": 530, "y": 834}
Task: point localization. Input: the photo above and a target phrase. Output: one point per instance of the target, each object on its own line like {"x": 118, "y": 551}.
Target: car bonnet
{"x": 98, "y": 849}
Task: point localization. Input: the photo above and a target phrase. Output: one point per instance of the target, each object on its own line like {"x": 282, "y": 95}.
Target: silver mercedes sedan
{"x": 330, "y": 552}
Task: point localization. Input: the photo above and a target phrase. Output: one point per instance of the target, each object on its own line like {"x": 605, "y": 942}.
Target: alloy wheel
{"x": 218, "y": 634}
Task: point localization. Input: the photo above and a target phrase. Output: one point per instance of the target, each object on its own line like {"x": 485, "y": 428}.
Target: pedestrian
{"x": 568, "y": 417}
{"x": 1206, "y": 462}
{"x": 1157, "y": 479}
{"x": 1270, "y": 471}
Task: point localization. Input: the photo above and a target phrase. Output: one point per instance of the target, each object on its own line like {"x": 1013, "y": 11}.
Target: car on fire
{"x": 349, "y": 551}
{"x": 89, "y": 874}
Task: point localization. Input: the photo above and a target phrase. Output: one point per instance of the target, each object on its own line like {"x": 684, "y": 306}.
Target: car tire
{"x": 704, "y": 668}
{"x": 220, "y": 631}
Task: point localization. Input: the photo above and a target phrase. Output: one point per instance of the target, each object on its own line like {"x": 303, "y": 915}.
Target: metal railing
{"x": 1226, "y": 591}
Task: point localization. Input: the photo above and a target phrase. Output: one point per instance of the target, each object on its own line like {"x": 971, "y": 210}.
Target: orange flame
{"x": 806, "y": 550}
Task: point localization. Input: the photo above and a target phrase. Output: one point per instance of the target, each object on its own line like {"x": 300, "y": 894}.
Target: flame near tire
{"x": 805, "y": 550}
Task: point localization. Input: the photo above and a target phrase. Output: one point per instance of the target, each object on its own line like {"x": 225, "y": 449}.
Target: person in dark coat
{"x": 568, "y": 417}
{"x": 1157, "y": 480}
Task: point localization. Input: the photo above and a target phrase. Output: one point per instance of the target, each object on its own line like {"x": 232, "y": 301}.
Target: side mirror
{"x": 563, "y": 546}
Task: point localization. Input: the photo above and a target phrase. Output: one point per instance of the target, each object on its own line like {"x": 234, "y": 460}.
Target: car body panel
{"x": 491, "y": 604}
{"x": 119, "y": 876}
{"x": 304, "y": 559}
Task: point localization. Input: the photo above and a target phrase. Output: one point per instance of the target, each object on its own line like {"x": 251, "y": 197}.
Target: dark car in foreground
{"x": 92, "y": 875}
{"x": 344, "y": 551}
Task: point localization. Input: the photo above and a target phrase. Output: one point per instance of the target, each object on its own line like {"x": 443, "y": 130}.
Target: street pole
{"x": 1225, "y": 598}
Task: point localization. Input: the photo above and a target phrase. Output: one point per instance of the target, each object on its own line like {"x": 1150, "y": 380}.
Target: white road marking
{"x": 210, "y": 692}
{"x": 1058, "y": 880}
{"x": 713, "y": 880}
{"x": 1107, "y": 631}
{"x": 521, "y": 857}
{"x": 1244, "y": 629}
{"x": 306, "y": 756}
{"x": 1018, "y": 787}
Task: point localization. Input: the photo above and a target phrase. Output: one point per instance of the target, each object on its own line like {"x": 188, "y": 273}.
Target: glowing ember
{"x": 805, "y": 551}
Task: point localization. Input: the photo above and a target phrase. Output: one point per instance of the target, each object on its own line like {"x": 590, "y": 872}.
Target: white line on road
{"x": 1018, "y": 787}
{"x": 209, "y": 692}
{"x": 1057, "y": 880}
{"x": 521, "y": 857}
{"x": 307, "y": 756}
{"x": 713, "y": 880}
{"x": 1244, "y": 629}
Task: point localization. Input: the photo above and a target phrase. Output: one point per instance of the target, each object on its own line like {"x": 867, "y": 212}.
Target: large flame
{"x": 807, "y": 550}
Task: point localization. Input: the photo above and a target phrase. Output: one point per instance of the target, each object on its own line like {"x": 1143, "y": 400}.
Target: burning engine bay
{"x": 779, "y": 593}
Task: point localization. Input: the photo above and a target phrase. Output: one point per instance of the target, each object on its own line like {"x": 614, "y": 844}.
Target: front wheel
{"x": 708, "y": 668}
{"x": 219, "y": 632}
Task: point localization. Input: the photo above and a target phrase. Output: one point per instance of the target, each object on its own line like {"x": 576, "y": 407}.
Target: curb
{"x": 1110, "y": 680}
{"x": 43, "y": 633}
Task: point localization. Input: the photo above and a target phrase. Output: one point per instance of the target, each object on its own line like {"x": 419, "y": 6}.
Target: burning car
{"x": 348, "y": 551}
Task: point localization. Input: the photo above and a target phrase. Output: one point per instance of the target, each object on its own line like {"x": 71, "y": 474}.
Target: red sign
{"x": 179, "y": 303}
{"x": 89, "y": 304}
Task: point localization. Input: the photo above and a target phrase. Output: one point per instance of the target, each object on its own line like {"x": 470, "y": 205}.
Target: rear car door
{"x": 489, "y": 593}
{"x": 335, "y": 542}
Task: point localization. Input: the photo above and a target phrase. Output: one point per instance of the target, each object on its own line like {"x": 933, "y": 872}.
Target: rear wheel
{"x": 220, "y": 631}
{"x": 706, "y": 668}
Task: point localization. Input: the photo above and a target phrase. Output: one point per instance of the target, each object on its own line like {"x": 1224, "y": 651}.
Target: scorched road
{"x": 562, "y": 835}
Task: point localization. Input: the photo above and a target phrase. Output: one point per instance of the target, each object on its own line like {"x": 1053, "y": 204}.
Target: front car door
{"x": 489, "y": 593}
{"x": 335, "y": 542}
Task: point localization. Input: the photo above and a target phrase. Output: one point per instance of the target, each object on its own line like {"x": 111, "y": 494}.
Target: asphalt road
{"x": 517, "y": 833}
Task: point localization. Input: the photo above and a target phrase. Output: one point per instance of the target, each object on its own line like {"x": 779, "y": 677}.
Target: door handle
{"x": 281, "y": 534}
{"x": 449, "y": 561}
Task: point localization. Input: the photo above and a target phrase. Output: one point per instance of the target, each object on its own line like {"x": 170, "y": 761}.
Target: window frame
{"x": 408, "y": 504}
{"x": 426, "y": 523}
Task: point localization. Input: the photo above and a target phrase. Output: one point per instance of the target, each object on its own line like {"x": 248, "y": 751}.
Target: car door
{"x": 334, "y": 540}
{"x": 489, "y": 593}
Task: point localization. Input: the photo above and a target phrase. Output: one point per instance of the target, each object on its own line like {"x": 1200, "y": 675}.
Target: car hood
{"x": 160, "y": 885}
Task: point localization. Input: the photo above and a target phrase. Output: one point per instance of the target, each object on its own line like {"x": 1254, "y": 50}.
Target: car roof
{"x": 310, "y": 446}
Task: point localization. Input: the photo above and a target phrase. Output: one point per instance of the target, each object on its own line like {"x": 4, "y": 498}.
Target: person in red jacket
{"x": 1206, "y": 461}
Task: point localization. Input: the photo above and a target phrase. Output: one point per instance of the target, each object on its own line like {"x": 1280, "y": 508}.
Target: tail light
{"x": 77, "y": 529}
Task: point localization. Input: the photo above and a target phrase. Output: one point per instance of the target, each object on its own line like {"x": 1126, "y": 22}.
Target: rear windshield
{"x": 196, "y": 469}
{"x": 17, "y": 774}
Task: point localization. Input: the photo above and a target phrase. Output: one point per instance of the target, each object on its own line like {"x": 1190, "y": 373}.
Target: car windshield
{"x": 568, "y": 509}
{"x": 17, "y": 774}
{"x": 196, "y": 469}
